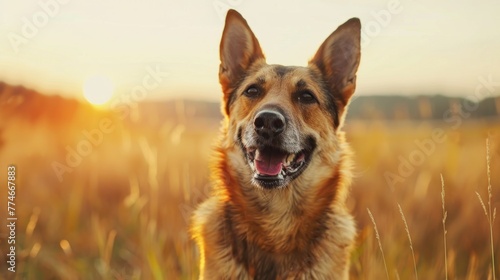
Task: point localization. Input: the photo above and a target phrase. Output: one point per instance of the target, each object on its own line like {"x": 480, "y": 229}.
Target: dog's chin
{"x": 273, "y": 167}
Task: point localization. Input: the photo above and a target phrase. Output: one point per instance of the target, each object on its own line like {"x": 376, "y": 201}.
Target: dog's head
{"x": 281, "y": 118}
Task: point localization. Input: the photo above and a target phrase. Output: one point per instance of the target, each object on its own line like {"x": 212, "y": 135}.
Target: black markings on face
{"x": 331, "y": 103}
{"x": 281, "y": 71}
{"x": 301, "y": 84}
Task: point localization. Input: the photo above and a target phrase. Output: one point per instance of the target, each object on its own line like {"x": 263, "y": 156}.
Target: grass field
{"x": 122, "y": 212}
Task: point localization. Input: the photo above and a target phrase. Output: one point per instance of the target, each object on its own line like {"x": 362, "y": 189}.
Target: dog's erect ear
{"x": 239, "y": 49}
{"x": 338, "y": 59}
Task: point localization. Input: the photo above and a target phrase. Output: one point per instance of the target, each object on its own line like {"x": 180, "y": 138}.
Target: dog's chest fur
{"x": 241, "y": 249}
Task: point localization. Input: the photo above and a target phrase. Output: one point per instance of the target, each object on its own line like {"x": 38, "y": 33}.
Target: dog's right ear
{"x": 239, "y": 49}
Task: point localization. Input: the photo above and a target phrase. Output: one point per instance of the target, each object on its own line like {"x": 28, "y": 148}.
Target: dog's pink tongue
{"x": 269, "y": 162}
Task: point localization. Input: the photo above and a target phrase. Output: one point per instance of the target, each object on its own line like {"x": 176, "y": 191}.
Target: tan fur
{"x": 300, "y": 231}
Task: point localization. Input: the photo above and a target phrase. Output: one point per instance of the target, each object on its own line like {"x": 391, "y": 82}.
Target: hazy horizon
{"x": 409, "y": 47}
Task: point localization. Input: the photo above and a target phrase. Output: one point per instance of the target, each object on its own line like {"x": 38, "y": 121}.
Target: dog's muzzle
{"x": 273, "y": 149}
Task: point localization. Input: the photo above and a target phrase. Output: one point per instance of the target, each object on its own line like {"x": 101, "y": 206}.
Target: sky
{"x": 408, "y": 46}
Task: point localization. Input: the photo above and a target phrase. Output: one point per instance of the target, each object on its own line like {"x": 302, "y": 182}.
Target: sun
{"x": 98, "y": 90}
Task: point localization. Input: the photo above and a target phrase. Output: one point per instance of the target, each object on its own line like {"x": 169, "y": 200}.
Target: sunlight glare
{"x": 98, "y": 90}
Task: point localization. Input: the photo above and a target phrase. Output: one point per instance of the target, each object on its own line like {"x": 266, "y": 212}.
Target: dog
{"x": 281, "y": 170}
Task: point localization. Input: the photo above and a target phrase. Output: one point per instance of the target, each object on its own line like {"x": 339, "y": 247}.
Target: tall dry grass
{"x": 409, "y": 239}
{"x": 445, "y": 215}
{"x": 377, "y": 235}
{"x": 489, "y": 215}
{"x": 123, "y": 213}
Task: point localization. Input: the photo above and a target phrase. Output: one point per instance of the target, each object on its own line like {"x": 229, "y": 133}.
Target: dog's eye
{"x": 252, "y": 91}
{"x": 306, "y": 97}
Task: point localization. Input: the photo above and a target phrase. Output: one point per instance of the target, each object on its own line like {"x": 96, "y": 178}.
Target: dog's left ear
{"x": 338, "y": 59}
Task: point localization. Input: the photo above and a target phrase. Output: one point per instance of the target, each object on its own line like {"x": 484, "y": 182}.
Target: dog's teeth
{"x": 289, "y": 159}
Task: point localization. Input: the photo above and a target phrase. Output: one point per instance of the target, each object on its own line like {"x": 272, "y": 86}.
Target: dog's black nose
{"x": 269, "y": 124}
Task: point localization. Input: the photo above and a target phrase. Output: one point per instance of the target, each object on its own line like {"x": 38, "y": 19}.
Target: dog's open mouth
{"x": 274, "y": 167}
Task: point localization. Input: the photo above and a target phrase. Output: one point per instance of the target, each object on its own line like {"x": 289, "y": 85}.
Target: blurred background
{"x": 109, "y": 111}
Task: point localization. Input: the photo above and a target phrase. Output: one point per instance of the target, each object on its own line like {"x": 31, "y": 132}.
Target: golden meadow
{"x": 119, "y": 208}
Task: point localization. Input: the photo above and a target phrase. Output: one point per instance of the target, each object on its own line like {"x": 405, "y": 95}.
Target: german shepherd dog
{"x": 281, "y": 170}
